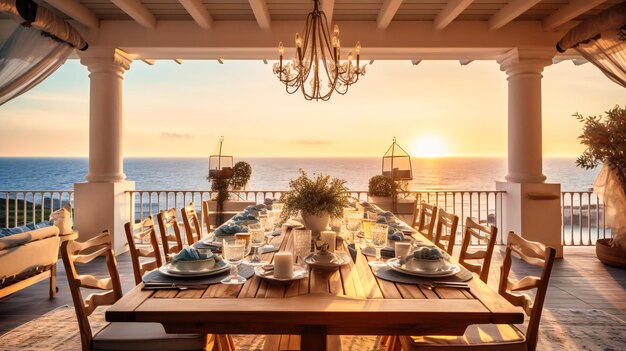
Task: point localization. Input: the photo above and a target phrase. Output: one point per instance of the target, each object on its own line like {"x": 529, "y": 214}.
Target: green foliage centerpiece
{"x": 605, "y": 139}
{"x": 242, "y": 171}
{"x": 317, "y": 199}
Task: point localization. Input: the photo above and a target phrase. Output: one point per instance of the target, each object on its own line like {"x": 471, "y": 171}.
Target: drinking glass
{"x": 257, "y": 237}
{"x": 379, "y": 241}
{"x": 278, "y": 207}
{"x": 301, "y": 244}
{"x": 233, "y": 253}
{"x": 247, "y": 237}
{"x": 367, "y": 229}
{"x": 268, "y": 226}
{"x": 353, "y": 224}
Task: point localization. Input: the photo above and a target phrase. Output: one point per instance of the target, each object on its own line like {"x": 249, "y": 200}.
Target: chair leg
{"x": 53, "y": 281}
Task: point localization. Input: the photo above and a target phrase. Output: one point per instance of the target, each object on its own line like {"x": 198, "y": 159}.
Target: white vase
{"x": 316, "y": 223}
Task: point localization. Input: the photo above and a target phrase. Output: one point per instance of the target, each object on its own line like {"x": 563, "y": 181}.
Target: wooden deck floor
{"x": 578, "y": 281}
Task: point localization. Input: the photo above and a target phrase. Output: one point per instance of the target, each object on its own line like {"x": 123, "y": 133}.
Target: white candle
{"x": 283, "y": 265}
{"x": 330, "y": 238}
{"x": 402, "y": 249}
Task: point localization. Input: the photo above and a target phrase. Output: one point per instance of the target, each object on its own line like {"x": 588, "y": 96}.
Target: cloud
{"x": 311, "y": 142}
{"x": 178, "y": 135}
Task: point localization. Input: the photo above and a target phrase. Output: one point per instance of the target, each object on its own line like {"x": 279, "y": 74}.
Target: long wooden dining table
{"x": 350, "y": 301}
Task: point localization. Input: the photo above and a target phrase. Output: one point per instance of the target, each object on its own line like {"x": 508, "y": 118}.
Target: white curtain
{"x": 27, "y": 58}
{"x": 608, "y": 53}
{"x": 609, "y": 190}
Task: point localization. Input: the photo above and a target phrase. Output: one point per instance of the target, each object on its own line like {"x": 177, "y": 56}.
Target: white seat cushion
{"x": 145, "y": 336}
{"x": 478, "y": 334}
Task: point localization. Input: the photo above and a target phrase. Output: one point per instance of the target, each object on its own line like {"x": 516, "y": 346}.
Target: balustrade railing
{"x": 582, "y": 212}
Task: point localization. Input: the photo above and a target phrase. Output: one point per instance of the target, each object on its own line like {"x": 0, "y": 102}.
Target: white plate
{"x": 220, "y": 267}
{"x": 448, "y": 270}
{"x": 298, "y": 273}
{"x": 327, "y": 266}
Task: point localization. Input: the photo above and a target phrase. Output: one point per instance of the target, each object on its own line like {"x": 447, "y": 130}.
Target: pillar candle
{"x": 283, "y": 265}
{"x": 330, "y": 238}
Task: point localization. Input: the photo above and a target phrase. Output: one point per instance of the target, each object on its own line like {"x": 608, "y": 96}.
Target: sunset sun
{"x": 429, "y": 146}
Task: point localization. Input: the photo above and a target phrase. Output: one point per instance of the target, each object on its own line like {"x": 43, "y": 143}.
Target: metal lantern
{"x": 397, "y": 163}
{"x": 220, "y": 167}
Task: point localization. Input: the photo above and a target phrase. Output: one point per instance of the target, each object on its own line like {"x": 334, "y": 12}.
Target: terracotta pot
{"x": 315, "y": 223}
{"x": 612, "y": 256}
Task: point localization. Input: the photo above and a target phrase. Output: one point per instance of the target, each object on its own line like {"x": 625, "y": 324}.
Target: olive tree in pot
{"x": 605, "y": 139}
{"x": 317, "y": 199}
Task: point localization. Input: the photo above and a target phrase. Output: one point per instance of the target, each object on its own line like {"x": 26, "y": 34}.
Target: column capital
{"x": 106, "y": 59}
{"x": 529, "y": 60}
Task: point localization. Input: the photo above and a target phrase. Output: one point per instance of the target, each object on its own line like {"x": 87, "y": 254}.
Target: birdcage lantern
{"x": 220, "y": 166}
{"x": 397, "y": 163}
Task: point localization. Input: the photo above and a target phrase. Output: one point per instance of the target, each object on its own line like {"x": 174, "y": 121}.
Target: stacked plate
{"x": 172, "y": 271}
{"x": 446, "y": 270}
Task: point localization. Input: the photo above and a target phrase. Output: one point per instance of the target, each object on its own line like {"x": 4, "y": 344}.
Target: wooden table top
{"x": 350, "y": 301}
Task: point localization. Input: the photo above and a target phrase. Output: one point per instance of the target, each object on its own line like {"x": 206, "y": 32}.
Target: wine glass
{"x": 301, "y": 244}
{"x": 353, "y": 224}
{"x": 379, "y": 241}
{"x": 233, "y": 253}
{"x": 257, "y": 237}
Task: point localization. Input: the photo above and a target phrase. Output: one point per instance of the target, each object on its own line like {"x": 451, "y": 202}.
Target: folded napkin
{"x": 424, "y": 253}
{"x": 244, "y": 216}
{"x": 396, "y": 236}
{"x": 190, "y": 254}
{"x": 213, "y": 246}
{"x": 381, "y": 220}
{"x": 230, "y": 229}
{"x": 386, "y": 214}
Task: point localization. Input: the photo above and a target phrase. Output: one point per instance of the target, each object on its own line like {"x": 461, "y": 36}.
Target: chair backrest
{"x": 193, "y": 231}
{"x": 170, "y": 232}
{"x": 142, "y": 242}
{"x": 206, "y": 212}
{"x": 445, "y": 234}
{"x": 533, "y": 253}
{"x": 483, "y": 233}
{"x": 72, "y": 253}
{"x": 424, "y": 216}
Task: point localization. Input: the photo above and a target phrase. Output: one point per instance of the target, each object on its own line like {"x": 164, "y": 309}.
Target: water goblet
{"x": 379, "y": 241}
{"x": 353, "y": 225}
{"x": 257, "y": 237}
{"x": 301, "y": 244}
{"x": 233, "y": 252}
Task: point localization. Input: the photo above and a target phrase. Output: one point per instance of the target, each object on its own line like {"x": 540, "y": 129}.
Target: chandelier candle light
{"x": 318, "y": 53}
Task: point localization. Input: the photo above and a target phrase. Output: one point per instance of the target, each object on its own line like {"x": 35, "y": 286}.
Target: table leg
{"x": 313, "y": 338}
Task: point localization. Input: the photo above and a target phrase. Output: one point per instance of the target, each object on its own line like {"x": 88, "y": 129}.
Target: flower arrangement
{"x": 318, "y": 196}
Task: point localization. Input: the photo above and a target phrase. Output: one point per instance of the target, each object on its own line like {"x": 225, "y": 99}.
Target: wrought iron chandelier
{"x": 317, "y": 69}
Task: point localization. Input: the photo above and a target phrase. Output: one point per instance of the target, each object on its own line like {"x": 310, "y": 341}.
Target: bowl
{"x": 194, "y": 266}
{"x": 416, "y": 264}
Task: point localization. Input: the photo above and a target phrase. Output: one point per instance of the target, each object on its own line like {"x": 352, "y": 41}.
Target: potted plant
{"x": 381, "y": 191}
{"x": 241, "y": 173}
{"x": 605, "y": 139}
{"x": 317, "y": 199}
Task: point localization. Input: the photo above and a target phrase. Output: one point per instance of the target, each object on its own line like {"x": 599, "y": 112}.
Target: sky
{"x": 437, "y": 108}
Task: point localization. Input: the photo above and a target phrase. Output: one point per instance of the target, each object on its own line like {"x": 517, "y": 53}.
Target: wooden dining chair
{"x": 502, "y": 337}
{"x": 122, "y": 335}
{"x": 171, "y": 239}
{"x": 206, "y": 213}
{"x": 445, "y": 234}
{"x": 193, "y": 230}
{"x": 142, "y": 242}
{"x": 424, "y": 216}
{"x": 483, "y": 233}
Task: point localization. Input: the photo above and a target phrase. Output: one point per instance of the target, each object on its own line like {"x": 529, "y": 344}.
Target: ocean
{"x": 275, "y": 173}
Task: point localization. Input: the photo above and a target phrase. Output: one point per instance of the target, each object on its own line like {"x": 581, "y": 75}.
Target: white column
{"x": 102, "y": 202}
{"x": 532, "y": 207}
{"x": 106, "y": 71}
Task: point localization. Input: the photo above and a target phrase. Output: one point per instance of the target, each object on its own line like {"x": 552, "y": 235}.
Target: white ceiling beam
{"x": 198, "y": 12}
{"x": 416, "y": 62}
{"x": 450, "y": 12}
{"x": 510, "y": 12}
{"x": 138, "y": 12}
{"x": 328, "y": 6}
{"x": 387, "y": 11}
{"x": 261, "y": 13}
{"x": 465, "y": 62}
{"x": 76, "y": 11}
{"x": 568, "y": 12}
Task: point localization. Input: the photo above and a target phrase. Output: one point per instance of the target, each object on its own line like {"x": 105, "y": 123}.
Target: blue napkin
{"x": 386, "y": 214}
{"x": 381, "y": 220}
{"x": 190, "y": 254}
{"x": 396, "y": 236}
{"x": 230, "y": 229}
{"x": 425, "y": 253}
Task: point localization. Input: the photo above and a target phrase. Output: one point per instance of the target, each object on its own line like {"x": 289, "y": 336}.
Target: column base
{"x": 533, "y": 210}
{"x": 103, "y": 206}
